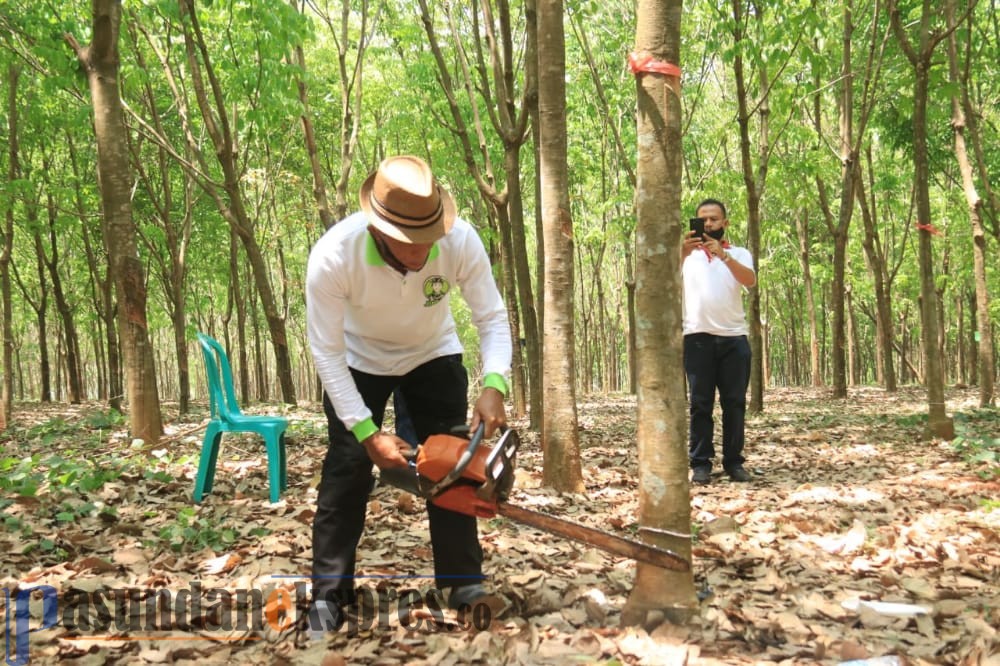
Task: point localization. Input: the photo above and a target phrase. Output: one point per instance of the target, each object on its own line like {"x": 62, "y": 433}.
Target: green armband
{"x": 495, "y": 380}
{"x": 364, "y": 429}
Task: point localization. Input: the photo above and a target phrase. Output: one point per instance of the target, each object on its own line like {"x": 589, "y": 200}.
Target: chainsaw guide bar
{"x": 474, "y": 479}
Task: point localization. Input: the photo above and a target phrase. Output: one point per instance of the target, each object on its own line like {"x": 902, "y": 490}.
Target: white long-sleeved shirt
{"x": 713, "y": 298}
{"x": 363, "y": 314}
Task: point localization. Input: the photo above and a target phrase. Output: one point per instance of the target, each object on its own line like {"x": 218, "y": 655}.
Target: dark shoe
{"x": 322, "y": 618}
{"x": 465, "y": 595}
{"x": 475, "y": 604}
{"x": 701, "y": 475}
{"x": 739, "y": 474}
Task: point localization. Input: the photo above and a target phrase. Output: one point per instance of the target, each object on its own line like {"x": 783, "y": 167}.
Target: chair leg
{"x": 206, "y": 465}
{"x": 284, "y": 464}
{"x": 274, "y": 467}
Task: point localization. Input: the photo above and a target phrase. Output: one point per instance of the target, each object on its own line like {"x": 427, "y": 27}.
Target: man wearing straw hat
{"x": 378, "y": 320}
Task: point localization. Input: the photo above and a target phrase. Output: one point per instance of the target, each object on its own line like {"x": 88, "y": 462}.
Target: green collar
{"x": 373, "y": 258}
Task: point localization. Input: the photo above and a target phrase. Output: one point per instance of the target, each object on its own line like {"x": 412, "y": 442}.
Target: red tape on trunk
{"x": 646, "y": 64}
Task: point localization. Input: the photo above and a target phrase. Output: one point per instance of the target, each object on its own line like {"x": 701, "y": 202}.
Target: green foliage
{"x": 977, "y": 441}
{"x": 192, "y": 532}
{"x": 911, "y": 420}
{"x": 799, "y": 43}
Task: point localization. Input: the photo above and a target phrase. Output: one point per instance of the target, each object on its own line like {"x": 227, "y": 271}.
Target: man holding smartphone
{"x": 716, "y": 349}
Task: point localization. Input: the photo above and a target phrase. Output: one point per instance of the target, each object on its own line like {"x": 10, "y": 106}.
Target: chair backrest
{"x": 221, "y": 394}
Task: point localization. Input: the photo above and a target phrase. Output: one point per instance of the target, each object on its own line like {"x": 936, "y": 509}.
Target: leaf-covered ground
{"x": 850, "y": 508}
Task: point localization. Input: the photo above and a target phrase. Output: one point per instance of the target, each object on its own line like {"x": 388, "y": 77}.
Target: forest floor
{"x": 850, "y": 507}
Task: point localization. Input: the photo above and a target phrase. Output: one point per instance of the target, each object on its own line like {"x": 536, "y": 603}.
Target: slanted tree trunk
{"x": 802, "y": 229}
{"x": 6, "y": 251}
{"x": 326, "y": 217}
{"x": 560, "y": 439}
{"x": 40, "y": 306}
{"x": 510, "y": 123}
{"x": 920, "y": 57}
{"x": 103, "y": 290}
{"x": 755, "y": 182}
{"x": 664, "y": 502}
{"x": 961, "y": 109}
{"x": 171, "y": 269}
{"x": 228, "y": 197}
{"x": 100, "y": 61}
{"x": 77, "y": 393}
{"x": 238, "y": 300}
{"x": 876, "y": 260}
{"x": 351, "y": 69}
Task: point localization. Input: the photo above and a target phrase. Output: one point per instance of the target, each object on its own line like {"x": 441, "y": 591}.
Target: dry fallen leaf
{"x": 846, "y": 503}
{"x": 222, "y": 564}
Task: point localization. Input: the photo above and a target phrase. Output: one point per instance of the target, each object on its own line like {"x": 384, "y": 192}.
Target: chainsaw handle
{"x": 463, "y": 462}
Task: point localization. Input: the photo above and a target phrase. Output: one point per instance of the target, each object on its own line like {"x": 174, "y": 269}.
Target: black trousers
{"x": 436, "y": 397}
{"x": 717, "y": 362}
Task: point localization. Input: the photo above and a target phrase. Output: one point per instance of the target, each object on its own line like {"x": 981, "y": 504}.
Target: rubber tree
{"x": 664, "y": 499}
{"x": 100, "y": 61}
{"x": 920, "y": 55}
{"x": 560, "y": 438}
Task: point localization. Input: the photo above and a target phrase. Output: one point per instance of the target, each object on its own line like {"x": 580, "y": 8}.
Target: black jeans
{"x": 436, "y": 398}
{"x": 717, "y": 362}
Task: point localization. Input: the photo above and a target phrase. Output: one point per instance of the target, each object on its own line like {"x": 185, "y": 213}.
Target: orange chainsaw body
{"x": 440, "y": 454}
{"x": 448, "y": 477}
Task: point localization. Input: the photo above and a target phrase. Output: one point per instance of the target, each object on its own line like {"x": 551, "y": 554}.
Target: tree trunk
{"x": 664, "y": 501}
{"x": 63, "y": 307}
{"x": 939, "y": 423}
{"x": 961, "y": 109}
{"x": 560, "y": 439}
{"x": 319, "y": 182}
{"x": 802, "y": 226}
{"x": 510, "y": 123}
{"x": 103, "y": 292}
{"x": 238, "y": 299}
{"x": 171, "y": 270}
{"x": 41, "y": 316}
{"x": 531, "y": 355}
{"x": 754, "y": 182}
{"x": 100, "y": 60}
{"x": 6, "y": 252}
{"x": 877, "y": 267}
{"x": 232, "y": 208}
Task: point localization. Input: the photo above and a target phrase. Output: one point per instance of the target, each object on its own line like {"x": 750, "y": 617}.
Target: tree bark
{"x": 173, "y": 270}
{"x": 351, "y": 79}
{"x": 755, "y": 182}
{"x": 961, "y": 109}
{"x": 560, "y": 439}
{"x": 6, "y": 251}
{"x": 664, "y": 500}
{"x": 232, "y": 207}
{"x": 77, "y": 393}
{"x": 100, "y": 60}
{"x": 939, "y": 423}
{"x": 802, "y": 227}
{"x": 102, "y": 293}
{"x": 510, "y": 124}
{"x": 875, "y": 257}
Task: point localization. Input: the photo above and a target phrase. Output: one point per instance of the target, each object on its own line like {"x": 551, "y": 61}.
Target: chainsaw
{"x": 467, "y": 476}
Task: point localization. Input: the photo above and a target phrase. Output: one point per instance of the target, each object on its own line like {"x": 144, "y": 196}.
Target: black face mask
{"x": 717, "y": 234}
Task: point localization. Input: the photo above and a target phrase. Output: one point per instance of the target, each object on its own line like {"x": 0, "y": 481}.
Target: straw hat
{"x": 403, "y": 200}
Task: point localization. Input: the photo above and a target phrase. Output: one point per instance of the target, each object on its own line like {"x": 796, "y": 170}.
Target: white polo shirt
{"x": 713, "y": 298}
{"x": 363, "y": 314}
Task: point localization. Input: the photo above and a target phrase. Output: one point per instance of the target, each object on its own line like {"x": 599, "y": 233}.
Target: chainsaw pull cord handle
{"x": 463, "y": 462}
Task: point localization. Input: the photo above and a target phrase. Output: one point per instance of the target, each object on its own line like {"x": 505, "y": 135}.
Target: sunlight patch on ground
{"x": 834, "y": 495}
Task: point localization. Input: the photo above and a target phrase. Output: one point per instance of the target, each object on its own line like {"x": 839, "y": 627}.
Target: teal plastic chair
{"x": 227, "y": 417}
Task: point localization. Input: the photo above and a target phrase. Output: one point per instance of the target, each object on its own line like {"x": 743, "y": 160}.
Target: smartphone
{"x": 697, "y": 225}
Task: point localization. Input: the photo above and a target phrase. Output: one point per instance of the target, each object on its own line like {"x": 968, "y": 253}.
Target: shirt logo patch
{"x": 435, "y": 289}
